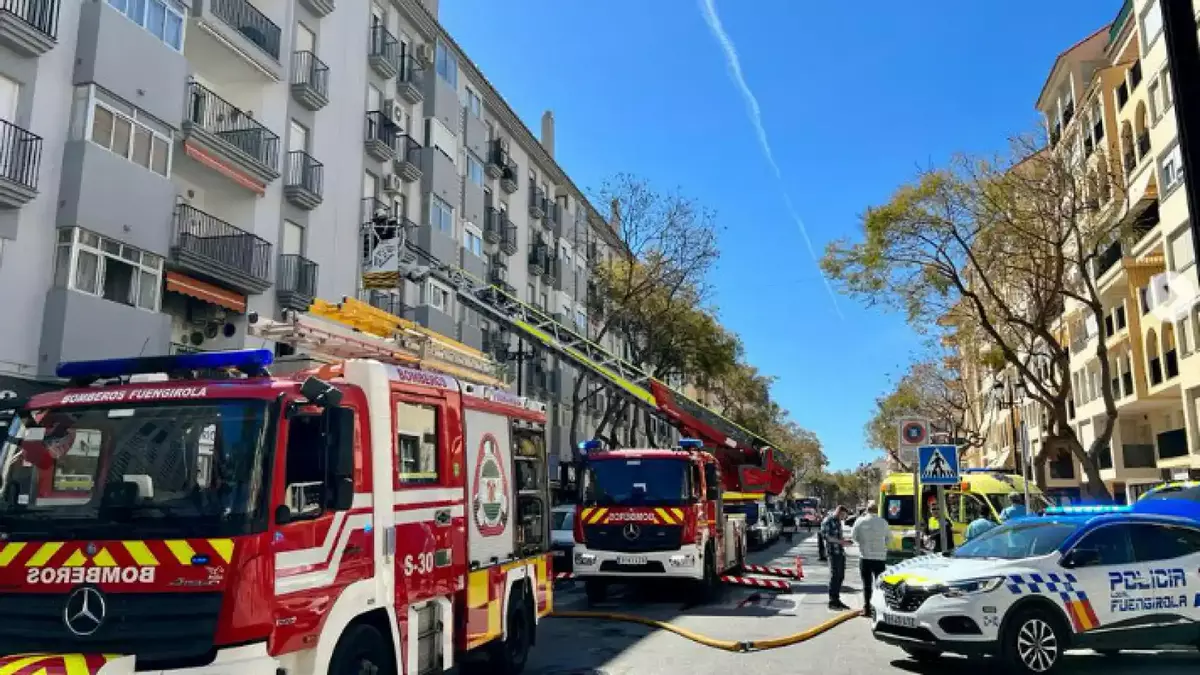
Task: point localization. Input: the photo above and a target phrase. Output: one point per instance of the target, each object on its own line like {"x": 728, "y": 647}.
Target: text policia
{"x": 1125, "y": 590}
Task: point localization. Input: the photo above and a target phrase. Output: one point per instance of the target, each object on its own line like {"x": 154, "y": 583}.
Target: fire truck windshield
{"x": 636, "y": 482}
{"x": 187, "y": 469}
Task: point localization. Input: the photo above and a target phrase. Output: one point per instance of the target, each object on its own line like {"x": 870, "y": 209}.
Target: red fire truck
{"x": 356, "y": 517}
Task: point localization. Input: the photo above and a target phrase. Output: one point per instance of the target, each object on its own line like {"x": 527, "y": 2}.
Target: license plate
{"x": 631, "y": 560}
{"x": 899, "y": 620}
{"x": 559, "y": 553}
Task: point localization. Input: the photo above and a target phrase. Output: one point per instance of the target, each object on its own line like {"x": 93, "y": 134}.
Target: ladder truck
{"x": 383, "y": 509}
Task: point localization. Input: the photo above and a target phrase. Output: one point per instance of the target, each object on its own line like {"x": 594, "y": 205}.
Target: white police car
{"x": 1105, "y": 578}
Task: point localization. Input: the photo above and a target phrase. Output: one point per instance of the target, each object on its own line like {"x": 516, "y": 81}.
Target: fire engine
{"x": 370, "y": 512}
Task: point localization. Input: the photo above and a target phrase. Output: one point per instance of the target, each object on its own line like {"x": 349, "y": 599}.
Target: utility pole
{"x": 1183, "y": 60}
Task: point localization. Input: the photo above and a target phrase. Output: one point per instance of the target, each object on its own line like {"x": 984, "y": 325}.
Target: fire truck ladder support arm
{"x": 736, "y": 646}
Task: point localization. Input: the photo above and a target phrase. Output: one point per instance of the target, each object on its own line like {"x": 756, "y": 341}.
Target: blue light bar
{"x": 691, "y": 443}
{"x": 1086, "y": 509}
{"x": 249, "y": 361}
{"x": 590, "y": 445}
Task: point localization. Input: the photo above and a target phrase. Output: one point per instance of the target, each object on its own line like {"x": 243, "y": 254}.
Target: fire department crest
{"x": 489, "y": 503}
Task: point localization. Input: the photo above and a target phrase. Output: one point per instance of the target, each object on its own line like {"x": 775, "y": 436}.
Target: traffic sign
{"x": 914, "y": 432}
{"x": 938, "y": 464}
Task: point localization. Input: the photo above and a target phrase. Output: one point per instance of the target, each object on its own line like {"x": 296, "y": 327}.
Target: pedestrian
{"x": 871, "y": 533}
{"x": 1016, "y": 507}
{"x": 978, "y": 526}
{"x": 835, "y": 547}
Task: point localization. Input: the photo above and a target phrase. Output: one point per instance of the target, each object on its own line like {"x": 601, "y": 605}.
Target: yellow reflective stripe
{"x": 678, "y": 514}
{"x": 18, "y": 665}
{"x": 104, "y": 559}
{"x": 44, "y": 554}
{"x": 223, "y": 547}
{"x": 77, "y": 559}
{"x": 9, "y": 552}
{"x": 662, "y": 513}
{"x": 141, "y": 553}
{"x": 583, "y": 515}
{"x": 182, "y": 550}
{"x": 640, "y": 392}
{"x": 76, "y": 664}
{"x": 600, "y": 513}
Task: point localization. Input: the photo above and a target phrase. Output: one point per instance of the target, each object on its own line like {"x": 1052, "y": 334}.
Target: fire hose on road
{"x": 737, "y": 646}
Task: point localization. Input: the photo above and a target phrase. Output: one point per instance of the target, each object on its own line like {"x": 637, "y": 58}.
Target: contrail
{"x": 709, "y": 9}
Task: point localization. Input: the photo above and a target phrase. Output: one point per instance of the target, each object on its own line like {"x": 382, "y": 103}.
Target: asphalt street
{"x": 588, "y": 647}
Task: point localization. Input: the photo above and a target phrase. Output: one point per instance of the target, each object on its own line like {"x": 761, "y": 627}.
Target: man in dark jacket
{"x": 835, "y": 546}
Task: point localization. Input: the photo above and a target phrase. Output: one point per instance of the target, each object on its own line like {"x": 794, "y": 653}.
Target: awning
{"x": 181, "y": 283}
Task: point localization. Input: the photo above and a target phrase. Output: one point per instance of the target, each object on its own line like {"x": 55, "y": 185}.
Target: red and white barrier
{"x": 777, "y": 584}
{"x": 776, "y": 571}
{"x": 559, "y": 576}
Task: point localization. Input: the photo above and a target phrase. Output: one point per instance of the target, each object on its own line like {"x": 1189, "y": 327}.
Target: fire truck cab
{"x": 654, "y": 514}
{"x": 197, "y": 515}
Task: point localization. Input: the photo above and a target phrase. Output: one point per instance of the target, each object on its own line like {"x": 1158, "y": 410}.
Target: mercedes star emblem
{"x": 84, "y": 613}
{"x": 632, "y": 531}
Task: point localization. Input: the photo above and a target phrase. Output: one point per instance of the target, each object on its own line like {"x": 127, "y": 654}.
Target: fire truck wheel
{"x": 706, "y": 588}
{"x": 509, "y": 656}
{"x": 362, "y": 650}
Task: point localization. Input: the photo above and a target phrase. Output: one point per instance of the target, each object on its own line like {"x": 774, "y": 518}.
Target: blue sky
{"x": 853, "y": 97}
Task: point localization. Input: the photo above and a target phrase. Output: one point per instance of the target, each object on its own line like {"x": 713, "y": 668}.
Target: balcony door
{"x": 374, "y": 99}
{"x": 293, "y": 239}
{"x": 10, "y": 91}
{"x": 306, "y": 40}
{"x": 297, "y": 137}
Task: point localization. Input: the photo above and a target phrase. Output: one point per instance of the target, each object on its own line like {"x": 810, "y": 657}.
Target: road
{"x": 586, "y": 647}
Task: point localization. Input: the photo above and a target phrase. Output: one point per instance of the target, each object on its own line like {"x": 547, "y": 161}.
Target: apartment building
{"x": 170, "y": 167}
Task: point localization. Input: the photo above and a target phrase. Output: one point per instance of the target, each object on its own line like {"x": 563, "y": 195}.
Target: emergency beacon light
{"x": 590, "y": 445}
{"x": 690, "y": 444}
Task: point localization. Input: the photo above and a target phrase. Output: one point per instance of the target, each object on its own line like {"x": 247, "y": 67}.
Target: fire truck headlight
{"x": 687, "y": 560}
{"x": 585, "y": 559}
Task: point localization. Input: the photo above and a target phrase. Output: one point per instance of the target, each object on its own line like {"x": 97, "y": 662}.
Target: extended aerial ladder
{"x": 749, "y": 462}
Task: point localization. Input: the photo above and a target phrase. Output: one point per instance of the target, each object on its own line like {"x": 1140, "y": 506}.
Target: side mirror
{"x": 321, "y": 392}
{"x": 1080, "y": 557}
{"x": 339, "y": 438}
{"x": 283, "y": 515}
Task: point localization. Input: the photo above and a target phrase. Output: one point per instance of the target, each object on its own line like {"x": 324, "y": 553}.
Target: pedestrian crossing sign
{"x": 938, "y": 464}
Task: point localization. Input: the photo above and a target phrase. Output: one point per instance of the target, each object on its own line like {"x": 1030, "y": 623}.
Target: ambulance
{"x": 1101, "y": 578}
{"x": 979, "y": 493}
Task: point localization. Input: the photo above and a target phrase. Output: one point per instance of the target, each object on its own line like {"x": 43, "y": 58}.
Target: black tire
{"x": 362, "y": 649}
{"x": 922, "y": 655}
{"x": 596, "y": 590}
{"x": 1033, "y": 642}
{"x": 706, "y": 587}
{"x": 509, "y": 656}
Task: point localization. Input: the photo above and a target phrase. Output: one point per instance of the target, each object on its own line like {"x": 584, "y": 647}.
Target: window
{"x": 472, "y": 241}
{"x": 1167, "y": 95}
{"x": 122, "y": 129}
{"x": 1112, "y": 543}
{"x": 474, "y": 104}
{"x": 438, "y": 136}
{"x": 1156, "y": 542}
{"x": 1172, "y": 170}
{"x": 1155, "y": 94}
{"x": 1152, "y": 24}
{"x": 474, "y": 169}
{"x": 446, "y": 65}
{"x": 304, "y": 470}
{"x": 162, "y": 20}
{"x": 416, "y": 443}
{"x": 544, "y": 302}
{"x": 437, "y": 297}
{"x": 441, "y": 215}
{"x": 580, "y": 318}
{"x": 89, "y": 263}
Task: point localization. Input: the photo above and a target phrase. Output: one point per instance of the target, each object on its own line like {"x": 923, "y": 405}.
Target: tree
{"x": 999, "y": 249}
{"x": 663, "y": 247}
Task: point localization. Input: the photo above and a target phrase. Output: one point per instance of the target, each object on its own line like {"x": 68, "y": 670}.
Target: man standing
{"x": 871, "y": 533}
{"x": 835, "y": 547}
{"x": 1016, "y": 508}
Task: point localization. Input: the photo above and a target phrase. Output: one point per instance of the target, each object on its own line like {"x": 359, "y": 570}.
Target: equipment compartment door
{"x": 490, "y": 489}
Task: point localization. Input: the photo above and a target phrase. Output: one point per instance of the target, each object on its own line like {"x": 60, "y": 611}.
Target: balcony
{"x": 310, "y": 81}
{"x": 508, "y": 180}
{"x": 20, "y": 162}
{"x": 508, "y": 240}
{"x": 230, "y": 135}
{"x": 497, "y": 159}
{"x": 381, "y": 137}
{"x": 552, "y": 212}
{"x": 537, "y": 202}
{"x": 410, "y": 80}
{"x": 1138, "y": 455}
{"x": 408, "y": 159}
{"x": 1111, "y": 256}
{"x": 305, "y": 181}
{"x": 296, "y": 282}
{"x": 498, "y": 275}
{"x": 29, "y": 27}
{"x": 320, "y": 8}
{"x": 493, "y": 231}
{"x": 383, "y": 52}
{"x": 392, "y": 303}
{"x": 1143, "y": 144}
{"x": 550, "y": 269}
{"x": 212, "y": 248}
{"x": 537, "y": 260}
{"x": 235, "y": 36}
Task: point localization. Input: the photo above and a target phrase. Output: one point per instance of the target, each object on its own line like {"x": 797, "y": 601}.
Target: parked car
{"x": 562, "y": 536}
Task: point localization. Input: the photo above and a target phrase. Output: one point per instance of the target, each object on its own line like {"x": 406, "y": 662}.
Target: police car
{"x": 1105, "y": 578}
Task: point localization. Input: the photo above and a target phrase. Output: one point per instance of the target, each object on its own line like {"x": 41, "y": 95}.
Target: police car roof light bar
{"x": 252, "y": 362}
{"x": 1094, "y": 508}
{"x": 690, "y": 444}
{"x": 590, "y": 445}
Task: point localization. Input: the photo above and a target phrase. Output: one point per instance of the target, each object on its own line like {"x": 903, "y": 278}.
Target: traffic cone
{"x": 799, "y": 567}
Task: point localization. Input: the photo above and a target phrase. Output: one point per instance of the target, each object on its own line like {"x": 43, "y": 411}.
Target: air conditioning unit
{"x": 392, "y": 183}
{"x": 425, "y": 54}
{"x": 396, "y": 112}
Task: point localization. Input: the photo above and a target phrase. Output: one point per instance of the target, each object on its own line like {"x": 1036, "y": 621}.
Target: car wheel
{"x": 1034, "y": 642}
